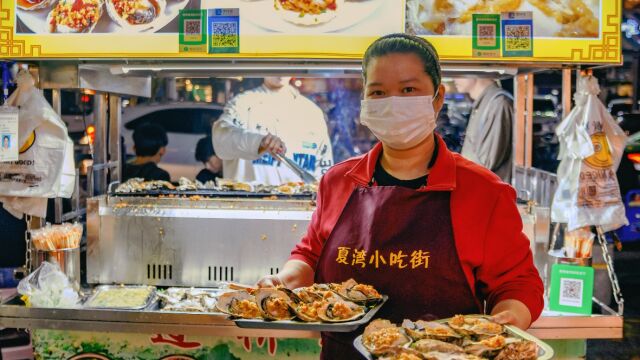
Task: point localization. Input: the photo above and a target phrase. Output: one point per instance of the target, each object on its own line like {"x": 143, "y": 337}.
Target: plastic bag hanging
{"x": 591, "y": 147}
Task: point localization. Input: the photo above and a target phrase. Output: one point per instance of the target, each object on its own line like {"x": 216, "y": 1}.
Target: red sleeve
{"x": 507, "y": 271}
{"x": 310, "y": 247}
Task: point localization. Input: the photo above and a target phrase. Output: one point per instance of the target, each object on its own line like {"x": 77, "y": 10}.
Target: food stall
{"x": 206, "y": 239}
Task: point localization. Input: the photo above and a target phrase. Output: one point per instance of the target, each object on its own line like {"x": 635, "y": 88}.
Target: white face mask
{"x": 400, "y": 122}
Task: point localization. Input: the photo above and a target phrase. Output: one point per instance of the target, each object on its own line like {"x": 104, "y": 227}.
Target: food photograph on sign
{"x": 99, "y": 16}
{"x": 293, "y": 17}
{"x": 551, "y": 18}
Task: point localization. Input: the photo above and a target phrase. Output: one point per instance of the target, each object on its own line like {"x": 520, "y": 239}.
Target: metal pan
{"x": 299, "y": 325}
{"x": 148, "y": 301}
{"x": 213, "y": 194}
{"x": 545, "y": 352}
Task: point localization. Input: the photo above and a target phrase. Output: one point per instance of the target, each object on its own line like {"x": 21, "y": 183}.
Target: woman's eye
{"x": 408, "y": 90}
{"x": 376, "y": 93}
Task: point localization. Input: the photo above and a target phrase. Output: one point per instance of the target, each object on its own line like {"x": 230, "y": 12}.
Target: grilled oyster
{"x": 34, "y": 4}
{"x": 308, "y": 294}
{"x": 429, "y": 345}
{"x": 74, "y": 16}
{"x": 446, "y": 356}
{"x": 520, "y": 350}
{"x": 238, "y": 304}
{"x": 274, "y": 304}
{"x": 136, "y": 15}
{"x": 381, "y": 337}
{"x": 308, "y": 311}
{"x": 430, "y": 330}
{"x": 488, "y": 347}
{"x": 340, "y": 311}
{"x": 362, "y": 294}
{"x": 470, "y": 325}
{"x": 401, "y": 353}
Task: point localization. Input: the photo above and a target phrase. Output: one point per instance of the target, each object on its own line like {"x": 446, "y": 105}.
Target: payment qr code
{"x": 193, "y": 27}
{"x": 224, "y": 34}
{"x": 486, "y": 34}
{"x": 517, "y": 37}
{"x": 571, "y": 292}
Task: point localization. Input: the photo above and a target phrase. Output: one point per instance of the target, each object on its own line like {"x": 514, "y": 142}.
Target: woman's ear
{"x": 438, "y": 102}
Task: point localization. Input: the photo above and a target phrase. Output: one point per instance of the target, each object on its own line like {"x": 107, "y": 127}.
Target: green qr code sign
{"x": 224, "y": 31}
{"x": 486, "y": 35}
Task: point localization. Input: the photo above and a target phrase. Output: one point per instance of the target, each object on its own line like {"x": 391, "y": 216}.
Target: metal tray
{"x": 150, "y": 299}
{"x": 545, "y": 352}
{"x": 298, "y": 325}
{"x": 213, "y": 194}
{"x": 215, "y": 292}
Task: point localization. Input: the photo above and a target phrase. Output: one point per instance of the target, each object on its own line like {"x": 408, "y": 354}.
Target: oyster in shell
{"x": 74, "y": 16}
{"x": 363, "y": 294}
{"x": 308, "y": 311}
{"x": 469, "y": 325}
{"x": 239, "y": 304}
{"x": 136, "y": 15}
{"x": 430, "y": 330}
{"x": 520, "y": 350}
{"x": 381, "y": 337}
{"x": 488, "y": 347}
{"x": 340, "y": 311}
{"x": 34, "y": 4}
{"x": 429, "y": 345}
{"x": 274, "y": 304}
{"x": 401, "y": 353}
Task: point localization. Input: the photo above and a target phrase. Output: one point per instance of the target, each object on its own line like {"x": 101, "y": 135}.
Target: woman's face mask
{"x": 400, "y": 122}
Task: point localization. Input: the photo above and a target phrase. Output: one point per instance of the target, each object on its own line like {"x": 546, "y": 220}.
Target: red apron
{"x": 400, "y": 241}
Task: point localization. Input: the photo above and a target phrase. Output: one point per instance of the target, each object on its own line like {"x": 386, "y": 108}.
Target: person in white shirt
{"x": 258, "y": 123}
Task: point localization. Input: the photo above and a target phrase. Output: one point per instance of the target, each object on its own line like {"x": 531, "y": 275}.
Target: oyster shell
{"x": 308, "y": 311}
{"x": 520, "y": 350}
{"x": 381, "y": 337}
{"x": 238, "y": 304}
{"x": 274, "y": 304}
{"x": 430, "y": 330}
{"x": 136, "y": 15}
{"x": 65, "y": 16}
{"x": 401, "y": 353}
{"x": 358, "y": 293}
{"x": 446, "y": 356}
{"x": 430, "y": 345}
{"x": 34, "y": 4}
{"x": 470, "y": 325}
{"x": 488, "y": 347}
{"x": 308, "y": 294}
{"x": 340, "y": 311}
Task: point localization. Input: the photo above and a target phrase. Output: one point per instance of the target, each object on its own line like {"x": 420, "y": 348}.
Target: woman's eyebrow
{"x": 408, "y": 80}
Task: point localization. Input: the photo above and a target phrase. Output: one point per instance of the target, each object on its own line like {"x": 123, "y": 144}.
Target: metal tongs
{"x": 306, "y": 176}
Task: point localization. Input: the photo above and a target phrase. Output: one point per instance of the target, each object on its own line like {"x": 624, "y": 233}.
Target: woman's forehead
{"x": 396, "y": 68}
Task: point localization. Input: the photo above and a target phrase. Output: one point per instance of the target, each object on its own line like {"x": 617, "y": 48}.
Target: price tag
{"x": 224, "y": 31}
{"x": 486, "y": 35}
{"x": 571, "y": 289}
{"x": 517, "y": 34}
{"x": 8, "y": 134}
{"x": 193, "y": 33}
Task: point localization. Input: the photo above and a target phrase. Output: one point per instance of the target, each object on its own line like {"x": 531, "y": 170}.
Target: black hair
{"x": 6, "y": 137}
{"x": 149, "y": 138}
{"x": 204, "y": 149}
{"x": 405, "y": 44}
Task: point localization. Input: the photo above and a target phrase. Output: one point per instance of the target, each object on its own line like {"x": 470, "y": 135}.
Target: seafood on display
{"x": 463, "y": 337}
{"x": 239, "y": 304}
{"x": 34, "y": 4}
{"x": 136, "y": 15}
{"x": 74, "y": 16}
{"x": 308, "y": 12}
{"x": 188, "y": 300}
{"x": 274, "y": 304}
{"x": 358, "y": 293}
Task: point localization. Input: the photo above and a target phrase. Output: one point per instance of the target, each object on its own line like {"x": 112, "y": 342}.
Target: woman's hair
{"x": 204, "y": 149}
{"x": 405, "y": 44}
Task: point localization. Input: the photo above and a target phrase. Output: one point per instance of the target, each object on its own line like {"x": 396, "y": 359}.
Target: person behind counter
{"x": 437, "y": 233}
{"x": 488, "y": 139}
{"x": 258, "y": 123}
{"x": 212, "y": 164}
{"x": 149, "y": 143}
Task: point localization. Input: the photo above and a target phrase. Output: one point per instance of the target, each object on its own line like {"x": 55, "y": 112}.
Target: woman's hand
{"x": 512, "y": 312}
{"x": 270, "y": 281}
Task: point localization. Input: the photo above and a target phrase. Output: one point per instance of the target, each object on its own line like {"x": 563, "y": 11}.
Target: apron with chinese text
{"x": 400, "y": 241}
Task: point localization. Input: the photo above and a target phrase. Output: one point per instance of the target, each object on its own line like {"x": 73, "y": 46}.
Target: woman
{"x": 212, "y": 163}
{"x": 438, "y": 234}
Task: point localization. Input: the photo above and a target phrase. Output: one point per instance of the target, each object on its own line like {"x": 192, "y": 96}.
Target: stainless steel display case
{"x": 190, "y": 241}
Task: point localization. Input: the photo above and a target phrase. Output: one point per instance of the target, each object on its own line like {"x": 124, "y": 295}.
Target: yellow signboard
{"x": 565, "y": 31}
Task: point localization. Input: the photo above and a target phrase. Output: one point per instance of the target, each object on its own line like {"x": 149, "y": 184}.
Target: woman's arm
{"x": 512, "y": 312}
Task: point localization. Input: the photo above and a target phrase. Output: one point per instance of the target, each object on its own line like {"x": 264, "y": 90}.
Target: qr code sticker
{"x": 193, "y": 27}
{"x": 517, "y": 37}
{"x": 571, "y": 292}
{"x": 487, "y": 35}
{"x": 224, "y": 34}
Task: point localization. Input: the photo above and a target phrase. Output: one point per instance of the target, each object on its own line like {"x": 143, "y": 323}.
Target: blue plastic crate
{"x": 631, "y": 232}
